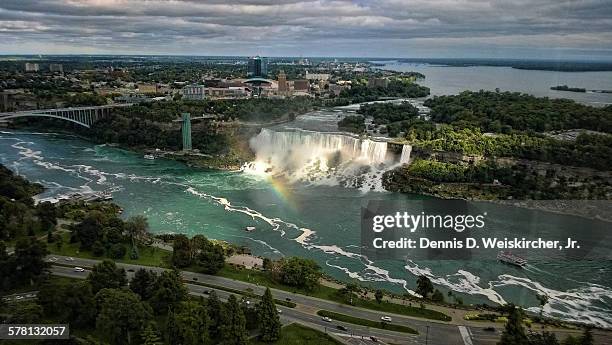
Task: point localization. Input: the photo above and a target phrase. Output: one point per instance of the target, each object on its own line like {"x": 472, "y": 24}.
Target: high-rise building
{"x": 31, "y": 67}
{"x": 257, "y": 67}
{"x": 56, "y": 67}
{"x": 283, "y": 87}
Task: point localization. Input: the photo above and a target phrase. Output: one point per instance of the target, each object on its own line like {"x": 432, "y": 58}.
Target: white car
{"x": 79, "y": 269}
{"x": 279, "y": 311}
{"x": 327, "y": 319}
{"x": 70, "y": 258}
{"x": 52, "y": 259}
{"x": 385, "y": 319}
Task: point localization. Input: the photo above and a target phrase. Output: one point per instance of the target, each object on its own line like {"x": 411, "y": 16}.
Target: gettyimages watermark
{"x": 435, "y": 229}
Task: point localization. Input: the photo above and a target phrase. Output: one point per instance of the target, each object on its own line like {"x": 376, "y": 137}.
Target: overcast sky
{"x": 368, "y": 28}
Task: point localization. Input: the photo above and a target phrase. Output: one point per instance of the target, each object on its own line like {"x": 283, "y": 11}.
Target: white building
{"x": 317, "y": 76}
{"x": 194, "y": 92}
{"x": 31, "y": 67}
{"x": 56, "y": 67}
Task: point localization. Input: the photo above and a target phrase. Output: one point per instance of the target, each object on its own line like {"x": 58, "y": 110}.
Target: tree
{"x": 189, "y": 324}
{"x": 587, "y": 337}
{"x": 90, "y": 229}
{"x": 106, "y": 275}
{"x": 47, "y": 216}
{"x": 28, "y": 312}
{"x": 267, "y": 264}
{"x": 181, "y": 251}
{"x": 59, "y": 242}
{"x": 349, "y": 290}
{"x": 209, "y": 257}
{"x": 150, "y": 336}
{"x": 28, "y": 261}
{"x": 117, "y": 251}
{"x": 378, "y": 295}
{"x": 270, "y": 326}
{"x": 137, "y": 227}
{"x": 215, "y": 309}
{"x": 233, "y": 327}
{"x": 168, "y": 292}
{"x": 121, "y": 314}
{"x": 542, "y": 299}
{"x": 134, "y": 253}
{"x": 300, "y": 272}
{"x": 514, "y": 333}
{"x": 424, "y": 286}
{"x": 545, "y": 338}
{"x": 437, "y": 296}
{"x": 72, "y": 302}
{"x": 143, "y": 283}
{"x": 98, "y": 249}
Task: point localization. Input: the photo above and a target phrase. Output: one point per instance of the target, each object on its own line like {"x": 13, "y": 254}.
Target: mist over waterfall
{"x": 405, "y": 157}
{"x": 322, "y": 158}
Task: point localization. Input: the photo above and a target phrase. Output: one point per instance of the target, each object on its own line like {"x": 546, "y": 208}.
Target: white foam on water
{"x": 275, "y": 223}
{"x": 465, "y": 282}
{"x": 579, "y": 305}
{"x": 262, "y": 242}
{"x": 349, "y": 273}
{"x": 305, "y": 236}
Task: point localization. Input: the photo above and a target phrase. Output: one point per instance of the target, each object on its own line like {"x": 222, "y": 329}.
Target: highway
{"x": 430, "y": 332}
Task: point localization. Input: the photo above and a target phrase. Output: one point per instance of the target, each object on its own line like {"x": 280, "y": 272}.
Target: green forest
{"x": 506, "y": 112}
{"x": 402, "y": 88}
{"x": 353, "y": 124}
{"x": 386, "y": 113}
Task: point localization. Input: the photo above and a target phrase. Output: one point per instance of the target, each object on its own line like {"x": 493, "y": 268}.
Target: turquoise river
{"x": 314, "y": 220}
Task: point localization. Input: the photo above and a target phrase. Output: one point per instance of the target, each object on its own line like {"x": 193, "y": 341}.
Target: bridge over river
{"x": 84, "y": 116}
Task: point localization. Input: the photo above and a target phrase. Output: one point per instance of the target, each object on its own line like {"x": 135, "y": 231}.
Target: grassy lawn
{"x": 367, "y": 323}
{"x": 148, "y": 256}
{"x": 331, "y": 294}
{"x": 295, "y": 334}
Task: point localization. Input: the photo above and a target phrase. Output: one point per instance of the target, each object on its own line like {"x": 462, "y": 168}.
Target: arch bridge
{"x": 83, "y": 116}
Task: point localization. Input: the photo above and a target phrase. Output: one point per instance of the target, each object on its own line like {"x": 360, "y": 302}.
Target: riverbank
{"x": 399, "y": 181}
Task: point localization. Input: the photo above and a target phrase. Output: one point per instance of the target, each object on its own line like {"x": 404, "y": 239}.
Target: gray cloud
{"x": 396, "y": 28}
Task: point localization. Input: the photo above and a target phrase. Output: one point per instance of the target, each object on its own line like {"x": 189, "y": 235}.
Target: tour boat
{"x": 509, "y": 258}
{"x": 249, "y": 229}
{"x": 149, "y": 156}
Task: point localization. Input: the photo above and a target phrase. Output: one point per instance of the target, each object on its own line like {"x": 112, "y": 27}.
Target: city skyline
{"x": 546, "y": 29}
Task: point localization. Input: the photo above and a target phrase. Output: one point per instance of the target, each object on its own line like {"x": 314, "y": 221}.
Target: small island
{"x": 567, "y": 88}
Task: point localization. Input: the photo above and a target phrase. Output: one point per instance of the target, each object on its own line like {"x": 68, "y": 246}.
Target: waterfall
{"x": 304, "y": 145}
{"x": 405, "y": 157}
{"x": 318, "y": 157}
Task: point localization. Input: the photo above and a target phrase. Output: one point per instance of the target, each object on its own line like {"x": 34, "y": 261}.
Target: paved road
{"x": 430, "y": 332}
{"x": 439, "y": 333}
{"x": 20, "y": 297}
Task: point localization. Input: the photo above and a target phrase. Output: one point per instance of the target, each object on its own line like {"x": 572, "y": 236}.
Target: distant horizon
{"x": 369, "y": 58}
